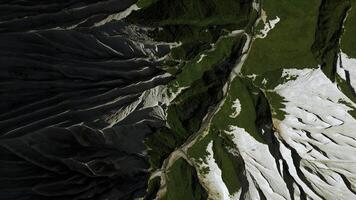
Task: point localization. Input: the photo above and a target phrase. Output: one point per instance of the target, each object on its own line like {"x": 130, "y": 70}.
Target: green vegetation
{"x": 348, "y": 39}
{"x": 252, "y": 118}
{"x": 288, "y": 45}
{"x": 306, "y": 36}
{"x": 329, "y": 30}
{"x": 348, "y": 91}
{"x": 195, "y": 23}
{"x": 183, "y": 182}
{"x": 348, "y": 46}
{"x": 194, "y": 70}
{"x": 185, "y": 113}
{"x": 152, "y": 188}
{"x": 230, "y": 165}
{"x": 145, "y": 3}
{"x": 246, "y": 119}
{"x": 194, "y": 12}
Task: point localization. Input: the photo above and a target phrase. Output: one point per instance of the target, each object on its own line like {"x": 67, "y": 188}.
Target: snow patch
{"x": 321, "y": 131}
{"x": 212, "y": 179}
{"x": 347, "y": 67}
{"x": 236, "y": 32}
{"x": 256, "y": 6}
{"x": 118, "y": 16}
{"x": 268, "y": 26}
{"x": 236, "y": 106}
{"x": 252, "y": 76}
{"x": 261, "y": 169}
{"x": 264, "y": 81}
{"x": 201, "y": 58}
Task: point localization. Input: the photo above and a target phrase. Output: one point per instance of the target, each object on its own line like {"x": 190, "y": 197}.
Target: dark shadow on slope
{"x": 327, "y": 34}
{"x": 58, "y": 89}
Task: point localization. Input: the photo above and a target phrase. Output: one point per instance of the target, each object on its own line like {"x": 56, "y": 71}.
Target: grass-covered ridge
{"x": 348, "y": 40}
{"x": 196, "y": 24}
{"x": 211, "y": 115}
{"x": 201, "y": 65}
{"x": 288, "y": 44}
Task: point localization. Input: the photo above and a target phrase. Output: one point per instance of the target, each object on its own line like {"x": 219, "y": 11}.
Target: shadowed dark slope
{"x": 61, "y": 93}
{"x": 177, "y": 100}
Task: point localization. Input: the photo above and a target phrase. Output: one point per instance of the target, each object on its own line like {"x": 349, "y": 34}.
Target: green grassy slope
{"x": 306, "y": 36}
